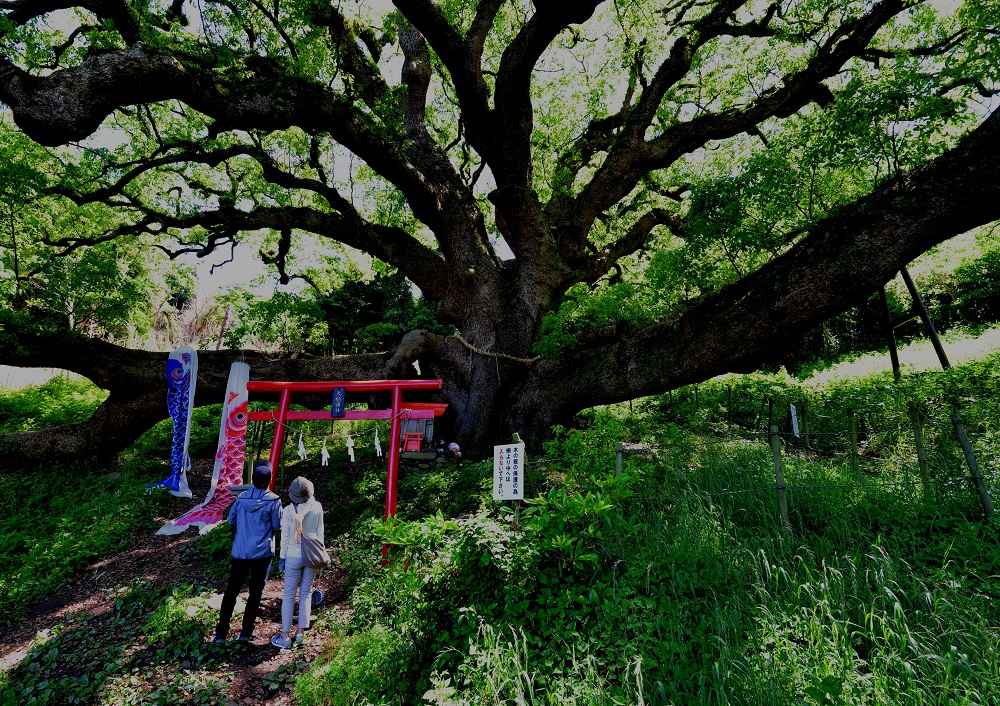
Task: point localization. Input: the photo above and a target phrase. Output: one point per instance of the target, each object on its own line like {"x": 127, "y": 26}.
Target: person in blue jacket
{"x": 257, "y": 515}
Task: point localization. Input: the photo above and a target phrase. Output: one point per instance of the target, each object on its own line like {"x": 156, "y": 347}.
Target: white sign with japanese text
{"x": 508, "y": 472}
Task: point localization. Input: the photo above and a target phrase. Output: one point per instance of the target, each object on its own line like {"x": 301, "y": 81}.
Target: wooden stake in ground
{"x": 779, "y": 479}
{"x": 970, "y": 459}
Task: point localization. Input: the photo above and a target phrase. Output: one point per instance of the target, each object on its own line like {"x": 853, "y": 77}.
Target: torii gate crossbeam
{"x": 399, "y": 409}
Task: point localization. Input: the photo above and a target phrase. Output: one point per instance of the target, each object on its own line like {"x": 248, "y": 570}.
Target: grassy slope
{"x": 671, "y": 584}
{"x": 676, "y": 584}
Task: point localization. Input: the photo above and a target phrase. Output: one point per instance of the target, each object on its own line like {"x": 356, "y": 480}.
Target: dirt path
{"x": 157, "y": 560}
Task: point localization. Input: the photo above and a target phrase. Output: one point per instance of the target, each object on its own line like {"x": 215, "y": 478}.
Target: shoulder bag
{"x": 314, "y": 554}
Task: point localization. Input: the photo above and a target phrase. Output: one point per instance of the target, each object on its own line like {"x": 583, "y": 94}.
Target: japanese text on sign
{"x": 508, "y": 472}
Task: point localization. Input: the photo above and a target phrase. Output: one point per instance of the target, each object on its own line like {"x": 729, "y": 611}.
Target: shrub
{"x": 363, "y": 667}
{"x": 61, "y": 400}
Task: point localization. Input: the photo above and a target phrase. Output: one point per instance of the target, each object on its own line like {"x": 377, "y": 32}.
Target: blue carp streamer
{"x": 182, "y": 374}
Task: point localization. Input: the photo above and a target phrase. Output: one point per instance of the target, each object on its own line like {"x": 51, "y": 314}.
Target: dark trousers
{"x": 239, "y": 569}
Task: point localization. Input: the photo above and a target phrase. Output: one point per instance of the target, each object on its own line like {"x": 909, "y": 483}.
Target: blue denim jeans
{"x": 297, "y": 577}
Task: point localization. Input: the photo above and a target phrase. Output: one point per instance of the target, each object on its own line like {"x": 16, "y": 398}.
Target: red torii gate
{"x": 399, "y": 409}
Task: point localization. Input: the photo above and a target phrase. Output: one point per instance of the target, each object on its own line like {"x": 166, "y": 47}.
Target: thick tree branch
{"x": 138, "y": 389}
{"x": 463, "y": 246}
{"x": 515, "y": 198}
{"x": 70, "y": 105}
{"x": 512, "y": 103}
{"x": 362, "y": 70}
{"x": 631, "y": 242}
{"x": 192, "y": 154}
{"x": 416, "y": 77}
{"x": 462, "y": 59}
{"x": 422, "y": 266}
{"x": 623, "y": 135}
{"x": 631, "y": 159}
{"x": 840, "y": 262}
{"x": 486, "y": 13}
{"x": 105, "y": 194}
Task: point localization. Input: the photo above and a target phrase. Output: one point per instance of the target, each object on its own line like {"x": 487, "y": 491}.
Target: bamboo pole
{"x": 970, "y": 459}
{"x": 852, "y": 432}
{"x": 918, "y": 440}
{"x": 805, "y": 427}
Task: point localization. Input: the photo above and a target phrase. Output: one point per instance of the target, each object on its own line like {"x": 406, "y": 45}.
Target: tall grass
{"x": 686, "y": 589}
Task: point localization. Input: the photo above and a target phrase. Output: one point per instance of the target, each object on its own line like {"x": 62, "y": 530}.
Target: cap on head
{"x": 261, "y": 477}
{"x": 300, "y": 490}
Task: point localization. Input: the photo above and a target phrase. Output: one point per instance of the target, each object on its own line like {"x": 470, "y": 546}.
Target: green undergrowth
{"x": 60, "y": 400}
{"x": 676, "y": 583}
{"x": 54, "y": 521}
{"x": 672, "y": 583}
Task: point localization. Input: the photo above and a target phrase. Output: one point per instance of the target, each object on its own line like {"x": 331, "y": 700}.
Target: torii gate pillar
{"x": 399, "y": 409}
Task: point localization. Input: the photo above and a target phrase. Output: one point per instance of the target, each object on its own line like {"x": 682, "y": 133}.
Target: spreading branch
{"x": 462, "y": 58}
{"x": 836, "y": 265}
{"x": 632, "y": 156}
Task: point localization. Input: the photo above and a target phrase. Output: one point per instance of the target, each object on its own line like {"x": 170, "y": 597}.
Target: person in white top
{"x": 304, "y": 515}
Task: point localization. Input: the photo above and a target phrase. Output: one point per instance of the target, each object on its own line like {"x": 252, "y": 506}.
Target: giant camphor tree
{"x": 605, "y": 199}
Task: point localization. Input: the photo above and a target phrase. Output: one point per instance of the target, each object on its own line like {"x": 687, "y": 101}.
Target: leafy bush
{"x": 156, "y": 442}
{"x": 60, "y": 400}
{"x": 363, "y": 665}
{"x": 674, "y": 583}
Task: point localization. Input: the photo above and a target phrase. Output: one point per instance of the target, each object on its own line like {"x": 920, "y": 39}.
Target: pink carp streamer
{"x": 229, "y": 458}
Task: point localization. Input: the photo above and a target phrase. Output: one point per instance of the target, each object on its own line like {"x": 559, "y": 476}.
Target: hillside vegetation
{"x": 673, "y": 582}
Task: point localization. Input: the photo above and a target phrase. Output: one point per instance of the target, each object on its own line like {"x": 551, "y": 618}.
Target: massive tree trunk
{"x": 611, "y": 166}
{"x": 493, "y": 383}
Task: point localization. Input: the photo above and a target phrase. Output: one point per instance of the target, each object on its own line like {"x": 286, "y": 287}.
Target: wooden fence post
{"x": 779, "y": 479}
{"x": 852, "y": 432}
{"x": 918, "y": 440}
{"x": 970, "y": 459}
{"x": 619, "y": 450}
